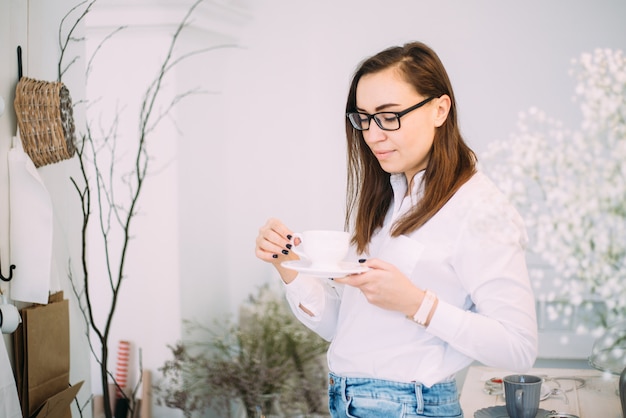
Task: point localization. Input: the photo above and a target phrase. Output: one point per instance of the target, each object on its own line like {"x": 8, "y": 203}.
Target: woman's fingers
{"x": 273, "y": 241}
{"x": 361, "y": 279}
{"x": 385, "y": 286}
{"x": 377, "y": 264}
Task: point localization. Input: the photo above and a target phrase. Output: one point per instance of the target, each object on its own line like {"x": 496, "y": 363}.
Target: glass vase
{"x": 609, "y": 350}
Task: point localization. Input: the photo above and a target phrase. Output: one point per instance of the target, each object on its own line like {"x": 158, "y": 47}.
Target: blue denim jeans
{"x": 373, "y": 398}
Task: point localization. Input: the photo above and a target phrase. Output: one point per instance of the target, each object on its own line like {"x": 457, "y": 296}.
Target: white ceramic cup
{"x": 324, "y": 249}
{"x": 9, "y": 316}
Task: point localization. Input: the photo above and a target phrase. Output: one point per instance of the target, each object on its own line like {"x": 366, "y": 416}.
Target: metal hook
{"x": 19, "y": 63}
{"x": 7, "y": 279}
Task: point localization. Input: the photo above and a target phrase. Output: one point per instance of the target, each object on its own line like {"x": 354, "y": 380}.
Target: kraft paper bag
{"x": 42, "y": 357}
{"x": 57, "y": 406}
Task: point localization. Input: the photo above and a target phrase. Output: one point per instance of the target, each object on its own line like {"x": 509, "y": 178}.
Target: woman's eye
{"x": 388, "y": 117}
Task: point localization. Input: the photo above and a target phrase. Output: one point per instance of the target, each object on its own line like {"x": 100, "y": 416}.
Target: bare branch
{"x": 100, "y": 161}
{"x": 95, "y": 53}
{"x": 63, "y": 44}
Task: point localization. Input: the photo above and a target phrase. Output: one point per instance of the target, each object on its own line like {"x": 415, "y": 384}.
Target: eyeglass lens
{"x": 385, "y": 120}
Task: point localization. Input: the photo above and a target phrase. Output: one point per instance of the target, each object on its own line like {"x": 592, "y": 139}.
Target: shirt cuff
{"x": 308, "y": 292}
{"x": 446, "y": 321}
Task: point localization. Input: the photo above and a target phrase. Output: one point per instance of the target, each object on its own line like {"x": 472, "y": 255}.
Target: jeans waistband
{"x": 410, "y": 393}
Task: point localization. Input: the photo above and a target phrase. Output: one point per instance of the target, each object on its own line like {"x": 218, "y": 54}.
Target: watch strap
{"x": 423, "y": 312}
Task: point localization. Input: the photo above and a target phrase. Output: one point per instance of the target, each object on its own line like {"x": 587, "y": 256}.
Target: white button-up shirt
{"x": 471, "y": 254}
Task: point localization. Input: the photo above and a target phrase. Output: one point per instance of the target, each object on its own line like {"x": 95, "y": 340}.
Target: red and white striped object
{"x": 121, "y": 371}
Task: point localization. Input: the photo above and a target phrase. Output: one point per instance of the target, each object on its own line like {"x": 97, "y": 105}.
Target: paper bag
{"x": 42, "y": 357}
{"x": 57, "y": 406}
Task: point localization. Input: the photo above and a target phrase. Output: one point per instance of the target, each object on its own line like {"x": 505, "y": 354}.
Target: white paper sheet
{"x": 30, "y": 229}
{"x": 9, "y": 401}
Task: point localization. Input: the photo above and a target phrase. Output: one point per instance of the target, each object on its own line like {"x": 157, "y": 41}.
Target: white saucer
{"x": 343, "y": 268}
{"x": 500, "y": 412}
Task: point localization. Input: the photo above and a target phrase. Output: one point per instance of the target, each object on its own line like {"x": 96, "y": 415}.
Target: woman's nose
{"x": 374, "y": 133}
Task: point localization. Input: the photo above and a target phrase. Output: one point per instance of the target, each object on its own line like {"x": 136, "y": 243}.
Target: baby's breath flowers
{"x": 570, "y": 187}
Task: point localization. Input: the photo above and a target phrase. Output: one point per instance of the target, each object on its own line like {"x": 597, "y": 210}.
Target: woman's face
{"x": 407, "y": 149}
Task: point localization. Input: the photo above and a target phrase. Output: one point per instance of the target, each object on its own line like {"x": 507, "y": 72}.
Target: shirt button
{"x": 331, "y": 381}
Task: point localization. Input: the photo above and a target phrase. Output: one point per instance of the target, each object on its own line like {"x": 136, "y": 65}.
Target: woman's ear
{"x": 443, "y": 108}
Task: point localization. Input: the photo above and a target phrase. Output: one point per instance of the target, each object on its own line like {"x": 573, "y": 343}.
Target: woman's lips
{"x": 383, "y": 154}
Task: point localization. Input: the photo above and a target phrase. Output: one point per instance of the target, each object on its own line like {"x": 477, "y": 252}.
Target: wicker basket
{"x": 45, "y": 120}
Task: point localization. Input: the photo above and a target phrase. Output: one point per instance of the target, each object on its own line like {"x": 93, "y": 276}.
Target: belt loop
{"x": 419, "y": 399}
{"x": 344, "y": 389}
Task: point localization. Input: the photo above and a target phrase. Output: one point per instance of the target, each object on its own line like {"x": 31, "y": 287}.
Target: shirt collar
{"x": 399, "y": 186}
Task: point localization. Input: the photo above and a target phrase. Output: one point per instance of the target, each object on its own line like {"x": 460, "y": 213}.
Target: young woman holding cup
{"x": 446, "y": 283}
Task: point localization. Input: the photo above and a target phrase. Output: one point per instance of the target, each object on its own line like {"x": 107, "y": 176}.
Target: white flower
{"x": 570, "y": 186}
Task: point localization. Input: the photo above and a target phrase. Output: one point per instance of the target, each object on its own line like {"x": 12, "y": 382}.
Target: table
{"x": 597, "y": 398}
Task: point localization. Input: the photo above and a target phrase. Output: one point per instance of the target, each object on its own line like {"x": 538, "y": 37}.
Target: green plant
{"x": 268, "y": 352}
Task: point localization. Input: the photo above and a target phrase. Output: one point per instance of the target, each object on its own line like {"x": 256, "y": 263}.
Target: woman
{"x": 447, "y": 282}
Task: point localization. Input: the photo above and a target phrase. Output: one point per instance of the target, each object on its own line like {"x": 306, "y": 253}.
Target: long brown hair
{"x": 451, "y": 161}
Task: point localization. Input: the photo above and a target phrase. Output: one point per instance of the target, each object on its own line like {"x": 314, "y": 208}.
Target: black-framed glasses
{"x": 387, "y": 121}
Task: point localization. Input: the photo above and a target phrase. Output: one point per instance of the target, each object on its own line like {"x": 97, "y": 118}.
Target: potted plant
{"x": 265, "y": 359}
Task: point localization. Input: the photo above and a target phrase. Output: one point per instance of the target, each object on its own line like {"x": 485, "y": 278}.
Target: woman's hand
{"x": 273, "y": 245}
{"x": 386, "y": 287}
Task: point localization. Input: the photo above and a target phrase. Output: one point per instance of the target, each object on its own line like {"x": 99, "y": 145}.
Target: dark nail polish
{"x": 362, "y": 260}
{"x": 289, "y": 236}
{"x": 288, "y": 246}
{"x": 285, "y": 252}
{"x": 330, "y": 278}
{"x": 274, "y": 255}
